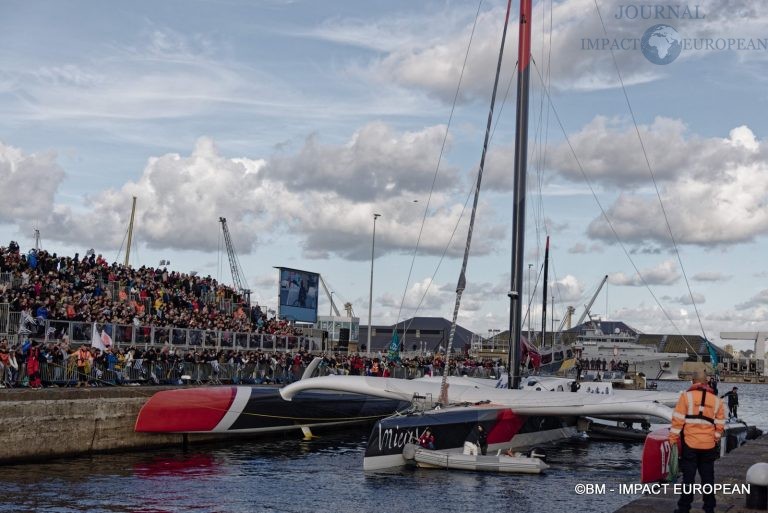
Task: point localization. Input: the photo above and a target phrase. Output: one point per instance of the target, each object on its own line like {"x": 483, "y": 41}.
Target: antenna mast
{"x": 238, "y": 276}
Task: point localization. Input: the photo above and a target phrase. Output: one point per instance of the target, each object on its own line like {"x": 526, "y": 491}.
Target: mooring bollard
{"x": 757, "y": 478}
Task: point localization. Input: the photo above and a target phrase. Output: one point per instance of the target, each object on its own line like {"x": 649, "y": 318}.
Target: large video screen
{"x": 298, "y": 295}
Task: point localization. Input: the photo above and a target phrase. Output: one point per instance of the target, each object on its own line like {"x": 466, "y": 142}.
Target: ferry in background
{"x": 657, "y": 357}
{"x": 621, "y": 346}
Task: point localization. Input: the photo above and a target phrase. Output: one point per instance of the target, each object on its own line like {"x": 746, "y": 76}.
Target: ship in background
{"x": 624, "y": 349}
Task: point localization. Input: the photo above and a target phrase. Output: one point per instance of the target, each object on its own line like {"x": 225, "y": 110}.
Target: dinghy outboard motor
{"x": 537, "y": 452}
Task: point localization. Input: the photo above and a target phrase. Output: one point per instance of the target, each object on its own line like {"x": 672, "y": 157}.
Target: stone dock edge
{"x": 731, "y": 469}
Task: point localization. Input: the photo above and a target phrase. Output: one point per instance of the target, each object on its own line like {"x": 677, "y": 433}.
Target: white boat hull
{"x": 425, "y": 458}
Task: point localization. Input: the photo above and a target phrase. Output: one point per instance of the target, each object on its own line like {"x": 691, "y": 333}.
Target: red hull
{"x": 185, "y": 410}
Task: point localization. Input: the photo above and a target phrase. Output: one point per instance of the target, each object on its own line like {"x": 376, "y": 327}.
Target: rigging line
{"x": 439, "y": 160}
{"x": 605, "y": 214}
{"x": 531, "y": 295}
{"x": 437, "y": 268}
{"x": 549, "y": 82}
{"x": 653, "y": 177}
{"x": 537, "y": 207}
{"x": 539, "y": 148}
{"x": 461, "y": 284}
{"x": 554, "y": 277}
{"x": 543, "y": 150}
{"x": 461, "y": 215}
{"x": 540, "y": 134}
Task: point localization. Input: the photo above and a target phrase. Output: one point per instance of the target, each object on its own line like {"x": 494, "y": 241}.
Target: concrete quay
{"x": 731, "y": 469}
{"x": 56, "y": 422}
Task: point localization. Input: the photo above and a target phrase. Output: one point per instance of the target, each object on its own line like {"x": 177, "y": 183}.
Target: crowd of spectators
{"x": 90, "y": 289}
{"x": 602, "y": 365}
{"x": 57, "y": 364}
{"x": 44, "y": 286}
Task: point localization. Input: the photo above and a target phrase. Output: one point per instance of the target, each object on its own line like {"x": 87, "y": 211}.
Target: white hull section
{"x": 663, "y": 368}
{"x": 489, "y": 463}
{"x": 522, "y": 402}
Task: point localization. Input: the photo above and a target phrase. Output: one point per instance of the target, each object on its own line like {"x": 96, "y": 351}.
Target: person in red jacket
{"x": 427, "y": 439}
{"x": 699, "y": 421}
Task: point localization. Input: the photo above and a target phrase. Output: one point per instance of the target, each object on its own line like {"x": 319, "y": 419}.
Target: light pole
{"x": 370, "y": 290}
{"x": 330, "y": 307}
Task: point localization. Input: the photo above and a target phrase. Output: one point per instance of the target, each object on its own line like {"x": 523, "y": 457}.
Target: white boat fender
{"x": 409, "y": 451}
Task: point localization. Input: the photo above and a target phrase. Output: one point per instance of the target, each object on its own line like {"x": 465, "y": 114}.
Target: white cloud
{"x": 687, "y": 300}
{"x": 710, "y": 276}
{"x": 666, "y": 273}
{"x": 581, "y": 248}
{"x": 28, "y": 184}
{"x": 375, "y": 163}
{"x": 433, "y": 64}
{"x": 758, "y": 300}
{"x": 567, "y": 290}
{"x": 714, "y": 190}
{"x": 415, "y": 297}
{"x": 180, "y": 200}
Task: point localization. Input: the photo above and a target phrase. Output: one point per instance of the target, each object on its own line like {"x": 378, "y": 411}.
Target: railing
{"x": 146, "y": 372}
{"x": 4, "y": 316}
{"x": 125, "y": 335}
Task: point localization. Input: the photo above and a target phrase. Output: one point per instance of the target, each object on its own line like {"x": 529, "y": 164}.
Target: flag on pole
{"x": 106, "y": 338}
{"x": 96, "y": 338}
{"x": 394, "y": 348}
{"x": 712, "y": 355}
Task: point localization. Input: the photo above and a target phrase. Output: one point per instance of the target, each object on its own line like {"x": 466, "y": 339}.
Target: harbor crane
{"x": 238, "y": 277}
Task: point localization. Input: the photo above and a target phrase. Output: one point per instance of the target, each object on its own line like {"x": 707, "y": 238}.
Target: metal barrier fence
{"x": 145, "y": 372}
{"x": 5, "y": 314}
{"x": 125, "y": 335}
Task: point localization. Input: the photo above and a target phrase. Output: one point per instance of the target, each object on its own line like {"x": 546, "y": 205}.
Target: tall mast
{"x": 544, "y": 301}
{"x": 518, "y": 218}
{"x": 462, "y": 275}
{"x": 130, "y": 233}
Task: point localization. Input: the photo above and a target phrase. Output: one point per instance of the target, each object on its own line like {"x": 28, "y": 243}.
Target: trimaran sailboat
{"x": 512, "y": 418}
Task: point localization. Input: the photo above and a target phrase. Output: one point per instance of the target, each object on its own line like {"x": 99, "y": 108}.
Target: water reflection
{"x": 179, "y": 465}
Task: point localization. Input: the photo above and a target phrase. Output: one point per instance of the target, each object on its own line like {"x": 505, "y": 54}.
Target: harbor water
{"x": 325, "y": 474}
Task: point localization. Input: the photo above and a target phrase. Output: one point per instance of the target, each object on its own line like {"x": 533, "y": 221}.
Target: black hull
{"x": 450, "y": 427}
{"x": 254, "y": 409}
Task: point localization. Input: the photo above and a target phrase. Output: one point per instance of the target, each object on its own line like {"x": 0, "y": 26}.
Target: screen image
{"x": 298, "y": 295}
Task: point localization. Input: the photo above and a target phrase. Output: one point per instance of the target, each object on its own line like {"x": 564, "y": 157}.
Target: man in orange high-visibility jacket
{"x": 699, "y": 419}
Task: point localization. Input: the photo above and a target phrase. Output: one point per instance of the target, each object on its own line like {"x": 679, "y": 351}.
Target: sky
{"x": 297, "y": 120}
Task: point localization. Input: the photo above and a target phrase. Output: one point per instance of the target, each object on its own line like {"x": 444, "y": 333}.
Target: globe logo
{"x": 661, "y": 44}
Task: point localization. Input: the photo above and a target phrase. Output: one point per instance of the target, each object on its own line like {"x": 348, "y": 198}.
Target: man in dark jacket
{"x": 476, "y": 441}
{"x": 733, "y": 402}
